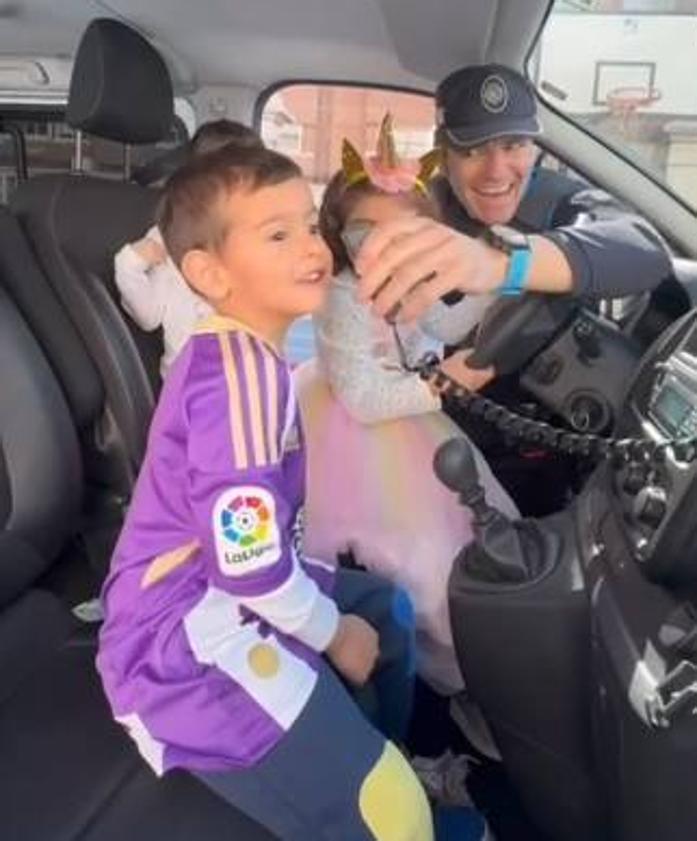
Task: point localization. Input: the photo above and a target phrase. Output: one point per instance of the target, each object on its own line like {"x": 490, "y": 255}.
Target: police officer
{"x": 574, "y": 239}
{"x": 509, "y": 226}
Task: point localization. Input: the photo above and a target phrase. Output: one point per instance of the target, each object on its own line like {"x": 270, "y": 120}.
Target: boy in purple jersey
{"x": 224, "y": 650}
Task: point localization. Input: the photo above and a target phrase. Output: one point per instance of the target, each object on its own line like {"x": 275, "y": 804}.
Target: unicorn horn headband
{"x": 384, "y": 169}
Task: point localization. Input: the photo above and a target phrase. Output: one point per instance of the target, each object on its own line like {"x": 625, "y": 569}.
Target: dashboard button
{"x": 650, "y": 506}
{"x": 634, "y": 478}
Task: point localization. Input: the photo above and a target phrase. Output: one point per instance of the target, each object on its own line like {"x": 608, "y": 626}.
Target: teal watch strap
{"x": 517, "y": 273}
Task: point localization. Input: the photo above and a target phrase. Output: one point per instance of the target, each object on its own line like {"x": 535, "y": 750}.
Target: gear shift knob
{"x": 455, "y": 465}
{"x": 502, "y": 551}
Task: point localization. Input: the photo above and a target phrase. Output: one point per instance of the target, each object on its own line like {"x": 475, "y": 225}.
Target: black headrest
{"x": 120, "y": 87}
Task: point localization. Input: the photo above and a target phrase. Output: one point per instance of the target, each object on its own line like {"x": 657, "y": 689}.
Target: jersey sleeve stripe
{"x": 256, "y": 421}
{"x": 272, "y": 413}
{"x": 161, "y": 566}
{"x": 239, "y": 444}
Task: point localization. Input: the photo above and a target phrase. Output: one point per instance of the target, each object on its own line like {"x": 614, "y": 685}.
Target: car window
{"x": 632, "y": 82}
{"x": 548, "y": 160}
{"x": 308, "y": 122}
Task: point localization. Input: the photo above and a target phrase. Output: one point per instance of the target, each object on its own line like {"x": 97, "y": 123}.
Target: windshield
{"x": 627, "y": 71}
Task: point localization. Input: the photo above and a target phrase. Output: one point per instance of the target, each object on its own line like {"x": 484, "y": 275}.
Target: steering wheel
{"x": 516, "y": 329}
{"x": 572, "y": 360}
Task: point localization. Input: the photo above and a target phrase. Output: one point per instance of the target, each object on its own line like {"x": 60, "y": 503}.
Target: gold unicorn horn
{"x": 352, "y": 164}
{"x": 428, "y": 165}
{"x": 386, "y": 151}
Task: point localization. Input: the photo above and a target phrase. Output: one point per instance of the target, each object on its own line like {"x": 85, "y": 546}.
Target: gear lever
{"x": 503, "y": 551}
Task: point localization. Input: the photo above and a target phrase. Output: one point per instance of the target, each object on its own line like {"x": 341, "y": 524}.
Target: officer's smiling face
{"x": 490, "y": 179}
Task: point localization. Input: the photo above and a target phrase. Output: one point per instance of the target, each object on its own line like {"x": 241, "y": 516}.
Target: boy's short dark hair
{"x": 189, "y": 215}
{"x": 215, "y": 134}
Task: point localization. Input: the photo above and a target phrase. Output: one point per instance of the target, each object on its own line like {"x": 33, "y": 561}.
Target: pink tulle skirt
{"x": 372, "y": 490}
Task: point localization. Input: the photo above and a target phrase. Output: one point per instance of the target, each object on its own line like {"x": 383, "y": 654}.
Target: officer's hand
{"x": 455, "y": 366}
{"x": 410, "y": 263}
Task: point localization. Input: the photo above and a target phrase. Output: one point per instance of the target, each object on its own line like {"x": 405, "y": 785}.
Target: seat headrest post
{"x": 77, "y": 157}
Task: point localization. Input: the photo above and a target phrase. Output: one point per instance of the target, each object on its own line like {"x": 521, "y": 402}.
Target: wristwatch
{"x": 517, "y": 246}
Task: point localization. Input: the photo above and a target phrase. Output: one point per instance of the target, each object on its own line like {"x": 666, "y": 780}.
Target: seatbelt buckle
{"x": 676, "y": 693}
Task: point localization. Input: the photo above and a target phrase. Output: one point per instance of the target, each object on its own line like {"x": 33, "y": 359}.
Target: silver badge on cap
{"x": 494, "y": 94}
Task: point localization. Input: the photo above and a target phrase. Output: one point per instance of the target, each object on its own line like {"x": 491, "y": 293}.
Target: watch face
{"x": 511, "y": 240}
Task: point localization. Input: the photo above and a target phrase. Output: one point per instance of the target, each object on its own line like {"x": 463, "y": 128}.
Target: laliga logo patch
{"x": 494, "y": 94}
{"x": 245, "y": 529}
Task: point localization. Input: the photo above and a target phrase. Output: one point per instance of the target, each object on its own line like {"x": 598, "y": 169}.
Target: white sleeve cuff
{"x": 299, "y": 608}
{"x": 321, "y": 625}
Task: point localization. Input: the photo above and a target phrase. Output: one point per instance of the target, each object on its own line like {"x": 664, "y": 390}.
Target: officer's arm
{"x": 605, "y": 251}
{"x": 611, "y": 252}
{"x": 410, "y": 263}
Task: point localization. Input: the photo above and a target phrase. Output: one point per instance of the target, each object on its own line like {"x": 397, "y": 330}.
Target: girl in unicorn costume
{"x": 373, "y": 427}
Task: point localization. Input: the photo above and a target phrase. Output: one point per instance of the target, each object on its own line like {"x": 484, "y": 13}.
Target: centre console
{"x": 658, "y": 496}
{"x": 577, "y": 633}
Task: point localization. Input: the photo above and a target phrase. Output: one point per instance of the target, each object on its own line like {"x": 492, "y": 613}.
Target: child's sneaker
{"x": 461, "y": 823}
{"x": 444, "y": 778}
{"x": 89, "y": 612}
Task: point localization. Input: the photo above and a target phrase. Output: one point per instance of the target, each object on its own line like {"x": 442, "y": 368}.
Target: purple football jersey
{"x": 214, "y": 618}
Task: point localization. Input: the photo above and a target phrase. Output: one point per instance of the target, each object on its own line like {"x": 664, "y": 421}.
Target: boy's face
{"x": 273, "y": 265}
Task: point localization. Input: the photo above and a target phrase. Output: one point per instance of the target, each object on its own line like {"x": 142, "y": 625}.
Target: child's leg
{"x": 389, "y": 611}
{"x": 332, "y": 777}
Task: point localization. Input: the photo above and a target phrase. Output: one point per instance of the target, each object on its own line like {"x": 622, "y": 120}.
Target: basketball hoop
{"x": 625, "y": 102}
